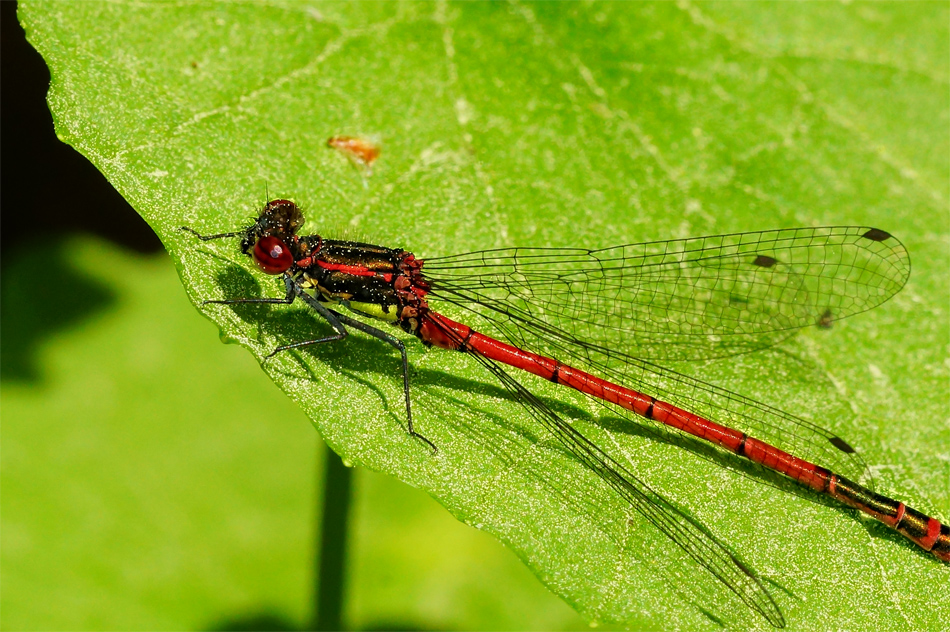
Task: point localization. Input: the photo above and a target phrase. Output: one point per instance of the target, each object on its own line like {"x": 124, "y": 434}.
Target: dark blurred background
{"x": 41, "y": 177}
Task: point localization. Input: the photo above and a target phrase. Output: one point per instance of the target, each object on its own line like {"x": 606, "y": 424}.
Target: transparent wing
{"x": 682, "y": 299}
{"x": 692, "y": 538}
{"x": 776, "y": 427}
{"x": 620, "y": 311}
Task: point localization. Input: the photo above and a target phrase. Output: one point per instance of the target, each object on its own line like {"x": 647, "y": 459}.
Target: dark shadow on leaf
{"x": 42, "y": 293}
{"x": 716, "y": 620}
{"x": 703, "y": 449}
{"x": 358, "y": 356}
{"x": 236, "y": 282}
{"x": 256, "y": 621}
{"x": 748, "y": 469}
{"x": 265, "y": 621}
{"x": 399, "y": 627}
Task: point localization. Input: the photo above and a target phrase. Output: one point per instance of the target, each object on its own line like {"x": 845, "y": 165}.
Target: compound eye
{"x": 272, "y": 255}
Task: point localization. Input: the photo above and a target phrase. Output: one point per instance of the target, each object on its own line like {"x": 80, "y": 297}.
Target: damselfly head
{"x": 279, "y": 218}
{"x": 272, "y": 239}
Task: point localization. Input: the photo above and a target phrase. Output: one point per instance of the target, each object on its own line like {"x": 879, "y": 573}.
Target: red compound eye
{"x": 272, "y": 255}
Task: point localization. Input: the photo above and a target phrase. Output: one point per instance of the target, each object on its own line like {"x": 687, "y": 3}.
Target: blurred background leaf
{"x": 501, "y": 124}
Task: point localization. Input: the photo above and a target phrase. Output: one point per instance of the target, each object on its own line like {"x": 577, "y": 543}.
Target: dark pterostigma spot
{"x": 876, "y": 234}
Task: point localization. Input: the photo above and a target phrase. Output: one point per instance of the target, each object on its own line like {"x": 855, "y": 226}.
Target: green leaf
{"x": 554, "y": 124}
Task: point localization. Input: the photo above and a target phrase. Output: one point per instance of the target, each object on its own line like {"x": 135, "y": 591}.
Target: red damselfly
{"x": 618, "y": 312}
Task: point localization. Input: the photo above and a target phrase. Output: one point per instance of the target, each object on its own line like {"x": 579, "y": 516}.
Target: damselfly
{"x": 617, "y": 312}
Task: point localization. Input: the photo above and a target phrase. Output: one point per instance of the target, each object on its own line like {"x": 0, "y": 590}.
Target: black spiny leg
{"x": 339, "y": 322}
{"x": 400, "y": 345}
{"x": 293, "y": 291}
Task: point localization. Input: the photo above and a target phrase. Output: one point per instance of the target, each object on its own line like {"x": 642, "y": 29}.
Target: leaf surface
{"x": 560, "y": 125}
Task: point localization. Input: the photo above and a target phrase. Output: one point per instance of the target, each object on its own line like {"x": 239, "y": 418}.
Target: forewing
{"x": 682, "y": 299}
